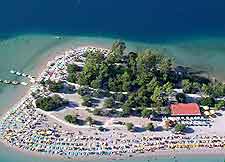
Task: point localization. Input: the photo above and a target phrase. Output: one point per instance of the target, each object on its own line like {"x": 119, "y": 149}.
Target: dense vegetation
{"x": 53, "y": 86}
{"x": 146, "y": 78}
{"x": 50, "y": 103}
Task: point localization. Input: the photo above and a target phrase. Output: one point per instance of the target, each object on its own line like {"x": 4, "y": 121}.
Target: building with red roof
{"x": 181, "y": 109}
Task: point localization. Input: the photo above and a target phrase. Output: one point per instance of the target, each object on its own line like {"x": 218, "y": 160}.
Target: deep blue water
{"x": 149, "y": 20}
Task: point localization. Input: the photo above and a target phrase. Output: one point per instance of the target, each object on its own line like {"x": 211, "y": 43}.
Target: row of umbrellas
{"x": 207, "y": 111}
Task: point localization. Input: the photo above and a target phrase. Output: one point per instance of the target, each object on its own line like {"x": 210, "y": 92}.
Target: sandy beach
{"x": 48, "y": 133}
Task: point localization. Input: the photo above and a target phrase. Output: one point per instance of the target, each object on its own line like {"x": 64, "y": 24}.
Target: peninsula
{"x": 111, "y": 103}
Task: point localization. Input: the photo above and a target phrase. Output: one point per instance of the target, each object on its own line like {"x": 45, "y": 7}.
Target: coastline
{"x": 42, "y": 66}
{"x": 150, "y": 155}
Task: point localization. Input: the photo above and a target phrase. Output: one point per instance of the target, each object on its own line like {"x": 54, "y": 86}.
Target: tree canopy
{"x": 71, "y": 119}
{"x": 148, "y": 78}
{"x": 50, "y": 103}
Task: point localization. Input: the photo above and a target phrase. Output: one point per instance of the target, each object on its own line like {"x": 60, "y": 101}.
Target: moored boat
{"x": 7, "y": 81}
{"x": 15, "y": 82}
{"x": 18, "y": 73}
{"x": 24, "y": 75}
{"x": 12, "y": 71}
{"x": 24, "y": 83}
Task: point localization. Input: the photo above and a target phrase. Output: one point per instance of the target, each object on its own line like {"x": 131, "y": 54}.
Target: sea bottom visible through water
{"x": 30, "y": 52}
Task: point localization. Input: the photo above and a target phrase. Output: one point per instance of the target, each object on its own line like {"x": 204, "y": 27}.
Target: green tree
{"x": 187, "y": 86}
{"x": 55, "y": 86}
{"x": 73, "y": 68}
{"x": 126, "y": 111}
{"x": 71, "y": 119}
{"x": 91, "y": 68}
{"x": 120, "y": 97}
{"x": 146, "y": 113}
{"x": 87, "y": 101}
{"x": 180, "y": 128}
{"x": 152, "y": 85}
{"x": 148, "y": 61}
{"x": 218, "y": 89}
{"x": 109, "y": 103}
{"x": 97, "y": 83}
{"x": 181, "y": 97}
{"x": 158, "y": 97}
{"x": 50, "y": 103}
{"x": 206, "y": 89}
{"x": 132, "y": 63}
{"x": 165, "y": 66}
{"x": 196, "y": 87}
{"x": 72, "y": 77}
{"x": 168, "y": 88}
{"x": 208, "y": 101}
{"x": 220, "y": 104}
{"x": 84, "y": 91}
{"x": 116, "y": 52}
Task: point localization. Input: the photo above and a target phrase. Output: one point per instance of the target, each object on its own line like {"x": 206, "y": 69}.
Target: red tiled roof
{"x": 185, "y": 109}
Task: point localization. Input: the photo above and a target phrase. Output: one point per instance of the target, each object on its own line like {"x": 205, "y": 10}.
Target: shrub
{"x": 50, "y": 103}
{"x": 97, "y": 112}
{"x": 55, "y": 86}
{"x": 208, "y": 101}
{"x": 180, "y": 127}
{"x": 150, "y": 127}
{"x": 86, "y": 101}
{"x": 71, "y": 119}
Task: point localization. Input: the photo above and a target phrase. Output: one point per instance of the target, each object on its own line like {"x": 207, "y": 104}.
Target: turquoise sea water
{"x": 191, "y": 31}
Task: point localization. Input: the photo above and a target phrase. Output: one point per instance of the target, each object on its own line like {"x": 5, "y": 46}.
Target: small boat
{"x": 24, "y": 83}
{"x": 1, "y": 80}
{"x": 15, "y": 82}
{"x": 24, "y": 75}
{"x": 18, "y": 73}
{"x": 57, "y": 37}
{"x": 7, "y": 81}
{"x": 12, "y": 71}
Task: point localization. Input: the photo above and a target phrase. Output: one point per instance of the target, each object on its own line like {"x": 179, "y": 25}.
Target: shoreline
{"x": 150, "y": 155}
{"x": 41, "y": 68}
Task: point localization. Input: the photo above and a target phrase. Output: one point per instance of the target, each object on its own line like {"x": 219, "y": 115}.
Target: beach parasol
{"x": 207, "y": 113}
{"x": 206, "y": 107}
{"x": 212, "y": 112}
